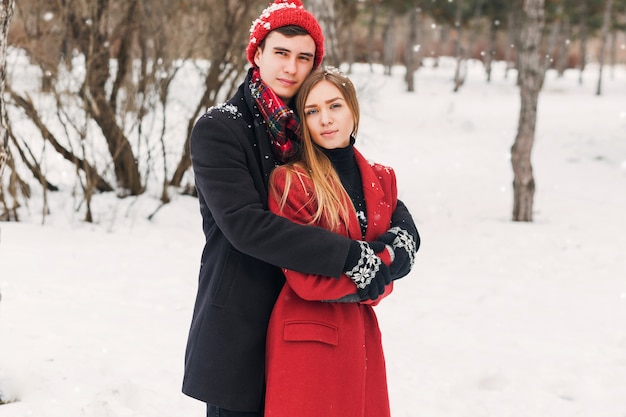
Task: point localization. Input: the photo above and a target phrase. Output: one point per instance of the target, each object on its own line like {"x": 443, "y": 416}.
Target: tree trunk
{"x": 26, "y": 104}
{"x": 444, "y": 34}
{"x": 474, "y": 29}
{"x": 100, "y": 106}
{"x": 531, "y": 80}
{"x": 227, "y": 31}
{"x": 491, "y": 49}
{"x": 389, "y": 42}
{"x": 124, "y": 162}
{"x": 350, "y": 48}
{"x": 411, "y": 50}
{"x": 583, "y": 40}
{"x": 6, "y": 11}
{"x": 460, "y": 53}
{"x": 613, "y": 53}
{"x": 555, "y": 30}
{"x": 604, "y": 34}
{"x": 563, "y": 47}
{"x": 511, "y": 37}
{"x": 214, "y": 82}
{"x": 324, "y": 11}
{"x": 371, "y": 27}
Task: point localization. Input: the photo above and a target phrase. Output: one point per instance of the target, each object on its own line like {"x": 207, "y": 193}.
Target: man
{"x": 234, "y": 148}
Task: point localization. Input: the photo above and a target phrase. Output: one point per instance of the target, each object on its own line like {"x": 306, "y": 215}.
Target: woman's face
{"x": 328, "y": 116}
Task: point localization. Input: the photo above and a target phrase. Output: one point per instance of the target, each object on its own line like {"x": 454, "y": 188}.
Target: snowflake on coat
{"x": 228, "y": 109}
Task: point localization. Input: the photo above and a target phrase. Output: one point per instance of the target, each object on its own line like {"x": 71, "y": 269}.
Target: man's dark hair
{"x": 290, "y": 31}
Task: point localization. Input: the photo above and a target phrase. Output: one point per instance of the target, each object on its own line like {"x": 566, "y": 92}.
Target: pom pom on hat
{"x": 285, "y": 13}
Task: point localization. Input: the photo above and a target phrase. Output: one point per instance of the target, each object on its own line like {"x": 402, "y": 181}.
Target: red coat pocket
{"x": 311, "y": 331}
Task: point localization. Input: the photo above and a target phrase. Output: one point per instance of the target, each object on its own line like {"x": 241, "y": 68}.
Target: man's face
{"x": 285, "y": 62}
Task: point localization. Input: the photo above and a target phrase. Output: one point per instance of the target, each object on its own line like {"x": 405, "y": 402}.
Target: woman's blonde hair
{"x": 329, "y": 197}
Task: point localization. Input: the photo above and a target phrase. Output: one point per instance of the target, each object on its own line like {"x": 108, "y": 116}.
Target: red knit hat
{"x": 285, "y": 13}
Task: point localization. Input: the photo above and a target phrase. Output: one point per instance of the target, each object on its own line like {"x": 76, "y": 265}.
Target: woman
{"x": 325, "y": 358}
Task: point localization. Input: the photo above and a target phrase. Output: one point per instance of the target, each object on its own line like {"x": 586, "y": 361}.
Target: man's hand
{"x": 365, "y": 268}
{"x": 404, "y": 249}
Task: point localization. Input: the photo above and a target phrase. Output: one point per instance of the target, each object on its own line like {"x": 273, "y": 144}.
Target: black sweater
{"x": 350, "y": 176}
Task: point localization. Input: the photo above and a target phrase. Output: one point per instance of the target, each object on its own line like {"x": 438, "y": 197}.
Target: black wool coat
{"x": 238, "y": 282}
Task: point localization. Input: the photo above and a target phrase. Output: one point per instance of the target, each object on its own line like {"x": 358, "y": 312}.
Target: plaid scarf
{"x": 283, "y": 124}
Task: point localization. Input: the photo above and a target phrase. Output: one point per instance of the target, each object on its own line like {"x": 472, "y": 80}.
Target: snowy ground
{"x": 498, "y": 319}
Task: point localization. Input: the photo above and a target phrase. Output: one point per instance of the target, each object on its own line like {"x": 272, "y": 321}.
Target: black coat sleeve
{"x": 403, "y": 219}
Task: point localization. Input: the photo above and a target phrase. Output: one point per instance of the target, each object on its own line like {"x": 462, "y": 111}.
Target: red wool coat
{"x": 326, "y": 358}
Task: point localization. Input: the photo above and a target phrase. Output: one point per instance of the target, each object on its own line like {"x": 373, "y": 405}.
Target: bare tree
{"x": 324, "y": 11}
{"x": 227, "y": 24}
{"x": 95, "y": 31}
{"x": 491, "y": 44}
{"x": 465, "y": 53}
{"x": 555, "y": 30}
{"x": 371, "y": 29}
{"x": 346, "y": 22}
{"x": 613, "y": 52}
{"x": 349, "y": 50}
{"x": 411, "y": 58}
{"x": 131, "y": 52}
{"x": 531, "y": 80}
{"x": 102, "y": 32}
{"x": 604, "y": 34}
{"x": 389, "y": 41}
{"x": 512, "y": 39}
{"x": 563, "y": 47}
{"x": 6, "y": 11}
{"x": 443, "y": 34}
{"x": 583, "y": 33}
{"x": 460, "y": 52}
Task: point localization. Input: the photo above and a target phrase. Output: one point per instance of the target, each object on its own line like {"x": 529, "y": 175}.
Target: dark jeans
{"x": 213, "y": 411}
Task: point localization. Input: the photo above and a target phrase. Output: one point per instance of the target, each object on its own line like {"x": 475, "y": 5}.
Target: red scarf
{"x": 283, "y": 125}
